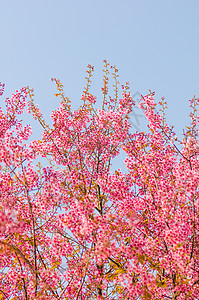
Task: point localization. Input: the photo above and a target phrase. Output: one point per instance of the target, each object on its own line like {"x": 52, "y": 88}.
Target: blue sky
{"x": 154, "y": 44}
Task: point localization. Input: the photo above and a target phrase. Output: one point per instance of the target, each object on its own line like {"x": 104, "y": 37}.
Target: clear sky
{"x": 154, "y": 44}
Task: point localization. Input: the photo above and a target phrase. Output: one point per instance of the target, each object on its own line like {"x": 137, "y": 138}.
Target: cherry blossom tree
{"x": 71, "y": 228}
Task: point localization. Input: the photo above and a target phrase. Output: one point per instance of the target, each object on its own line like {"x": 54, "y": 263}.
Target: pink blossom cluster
{"x": 2, "y": 86}
{"x": 73, "y": 229}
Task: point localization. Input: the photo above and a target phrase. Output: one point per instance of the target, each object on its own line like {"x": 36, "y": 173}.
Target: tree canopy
{"x": 71, "y": 228}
